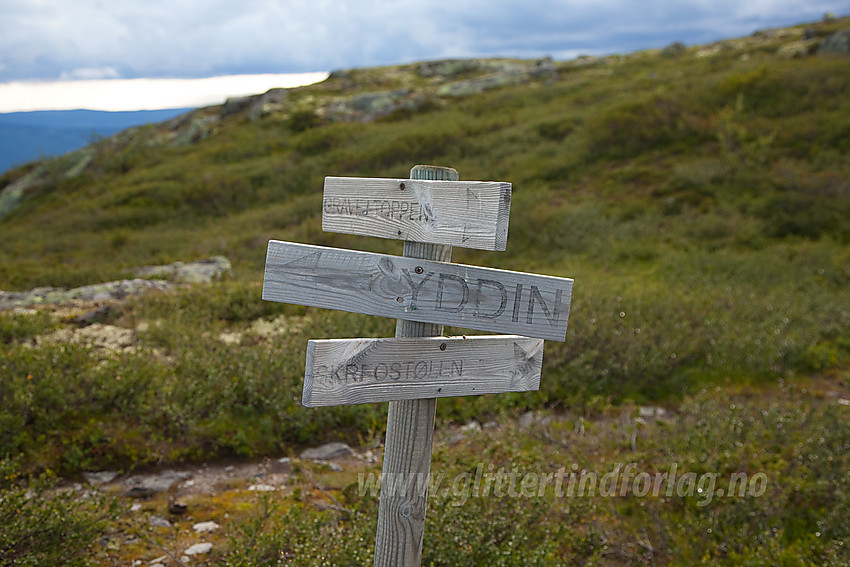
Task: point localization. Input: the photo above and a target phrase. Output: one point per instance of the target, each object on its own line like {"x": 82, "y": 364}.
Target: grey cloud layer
{"x": 48, "y": 39}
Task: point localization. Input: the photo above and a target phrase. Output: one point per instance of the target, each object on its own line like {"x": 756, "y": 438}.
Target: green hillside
{"x": 699, "y": 196}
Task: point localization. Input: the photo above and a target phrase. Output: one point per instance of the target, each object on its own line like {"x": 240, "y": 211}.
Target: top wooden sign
{"x": 470, "y": 214}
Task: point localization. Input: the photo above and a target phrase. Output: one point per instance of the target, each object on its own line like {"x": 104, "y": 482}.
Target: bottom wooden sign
{"x": 356, "y": 371}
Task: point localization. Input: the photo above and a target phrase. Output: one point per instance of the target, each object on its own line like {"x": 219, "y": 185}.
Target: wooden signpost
{"x": 431, "y": 212}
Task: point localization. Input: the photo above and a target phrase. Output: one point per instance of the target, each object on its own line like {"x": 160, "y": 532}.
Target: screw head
{"x": 401, "y": 185}
{"x": 442, "y": 346}
{"x": 419, "y": 269}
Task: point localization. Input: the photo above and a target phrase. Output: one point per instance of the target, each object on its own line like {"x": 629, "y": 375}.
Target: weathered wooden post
{"x": 430, "y": 212}
{"x": 410, "y": 428}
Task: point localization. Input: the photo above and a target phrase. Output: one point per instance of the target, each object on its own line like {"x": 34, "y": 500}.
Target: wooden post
{"x": 410, "y": 428}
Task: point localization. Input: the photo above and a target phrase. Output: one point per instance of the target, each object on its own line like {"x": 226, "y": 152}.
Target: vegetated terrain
{"x": 699, "y": 196}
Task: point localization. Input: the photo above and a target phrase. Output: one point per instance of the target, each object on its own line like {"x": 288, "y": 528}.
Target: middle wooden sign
{"x": 418, "y": 290}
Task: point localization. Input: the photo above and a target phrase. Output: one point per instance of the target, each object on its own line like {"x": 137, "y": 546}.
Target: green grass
{"x": 789, "y": 509}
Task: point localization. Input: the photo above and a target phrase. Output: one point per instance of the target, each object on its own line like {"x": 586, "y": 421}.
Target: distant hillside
{"x": 28, "y": 136}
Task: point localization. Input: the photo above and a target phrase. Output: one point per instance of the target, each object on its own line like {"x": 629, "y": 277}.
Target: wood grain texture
{"x": 411, "y": 289}
{"x": 410, "y": 430}
{"x": 355, "y": 371}
{"x": 471, "y": 214}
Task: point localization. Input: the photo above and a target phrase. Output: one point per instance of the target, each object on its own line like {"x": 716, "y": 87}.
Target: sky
{"x": 58, "y": 47}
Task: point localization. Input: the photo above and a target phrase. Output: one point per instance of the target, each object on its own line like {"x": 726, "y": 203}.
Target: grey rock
{"x": 198, "y": 549}
{"x": 96, "y": 292}
{"x": 80, "y": 165}
{"x": 199, "y": 128}
{"x": 654, "y": 412}
{"x": 544, "y": 68}
{"x": 448, "y": 67}
{"x": 281, "y": 466}
{"x": 475, "y": 86}
{"x": 97, "y": 315}
{"x": 235, "y": 105}
{"x": 12, "y": 194}
{"x": 202, "y": 527}
{"x": 145, "y": 486}
{"x": 531, "y": 418}
{"x": 69, "y": 166}
{"x": 98, "y": 478}
{"x": 269, "y": 103}
{"x": 158, "y": 522}
{"x": 327, "y": 452}
{"x": 202, "y": 271}
{"x": 366, "y": 107}
{"x": 838, "y": 43}
{"x": 795, "y": 49}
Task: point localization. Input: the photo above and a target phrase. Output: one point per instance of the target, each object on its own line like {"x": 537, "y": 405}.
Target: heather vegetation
{"x": 698, "y": 196}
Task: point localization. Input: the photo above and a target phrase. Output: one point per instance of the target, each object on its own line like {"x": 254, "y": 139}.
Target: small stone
{"x": 282, "y": 465}
{"x": 471, "y": 426}
{"x": 843, "y": 402}
{"x": 176, "y": 507}
{"x": 261, "y": 488}
{"x": 327, "y": 452}
{"x": 198, "y": 549}
{"x": 202, "y": 527}
{"x": 158, "y": 561}
{"x": 527, "y": 419}
{"x": 335, "y": 467}
{"x": 98, "y": 478}
{"x": 654, "y": 412}
{"x": 145, "y": 486}
{"x": 158, "y": 522}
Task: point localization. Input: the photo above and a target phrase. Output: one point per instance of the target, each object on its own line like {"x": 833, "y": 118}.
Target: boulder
{"x": 145, "y": 486}
{"x": 96, "y": 292}
{"x": 202, "y": 271}
{"x": 837, "y": 43}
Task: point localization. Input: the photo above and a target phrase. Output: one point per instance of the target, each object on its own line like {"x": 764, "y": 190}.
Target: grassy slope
{"x": 700, "y": 203}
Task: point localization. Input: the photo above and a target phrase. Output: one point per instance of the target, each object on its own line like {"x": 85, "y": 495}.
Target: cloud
{"x": 141, "y": 94}
{"x": 48, "y": 39}
{"x": 90, "y": 73}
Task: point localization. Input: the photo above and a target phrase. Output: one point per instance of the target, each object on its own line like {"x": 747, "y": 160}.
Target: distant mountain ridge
{"x": 28, "y": 136}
